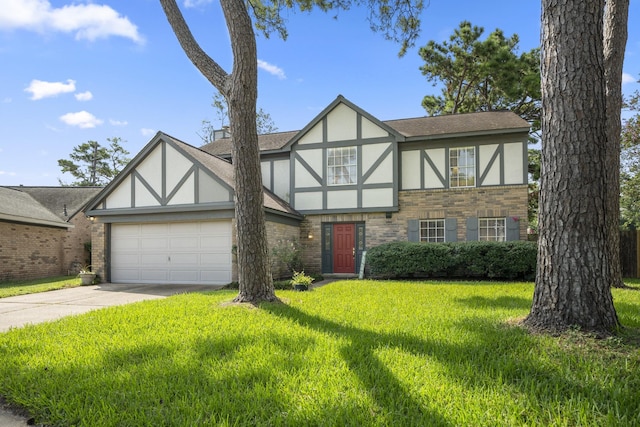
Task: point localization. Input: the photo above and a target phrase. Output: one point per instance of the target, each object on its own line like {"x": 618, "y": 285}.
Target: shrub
{"x": 476, "y": 260}
{"x": 285, "y": 258}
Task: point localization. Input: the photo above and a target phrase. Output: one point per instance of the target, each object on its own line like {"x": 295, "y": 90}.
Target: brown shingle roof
{"x": 455, "y": 124}
{"x": 268, "y": 142}
{"x": 414, "y": 128}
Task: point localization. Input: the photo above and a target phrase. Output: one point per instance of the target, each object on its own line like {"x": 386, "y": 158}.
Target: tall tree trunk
{"x": 254, "y": 269}
{"x": 240, "y": 89}
{"x": 574, "y": 265}
{"x": 615, "y": 40}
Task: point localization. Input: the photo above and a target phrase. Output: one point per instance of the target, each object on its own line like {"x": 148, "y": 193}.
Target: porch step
{"x": 339, "y": 275}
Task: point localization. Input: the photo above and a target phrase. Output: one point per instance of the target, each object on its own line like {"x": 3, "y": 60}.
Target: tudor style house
{"x": 345, "y": 182}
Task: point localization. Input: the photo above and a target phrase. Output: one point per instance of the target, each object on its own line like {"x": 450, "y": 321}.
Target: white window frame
{"x": 436, "y": 226}
{"x": 492, "y": 229}
{"x": 342, "y": 166}
{"x": 462, "y": 165}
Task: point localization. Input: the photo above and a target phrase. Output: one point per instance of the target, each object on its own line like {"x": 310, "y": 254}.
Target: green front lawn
{"x": 353, "y": 353}
{"x": 22, "y": 287}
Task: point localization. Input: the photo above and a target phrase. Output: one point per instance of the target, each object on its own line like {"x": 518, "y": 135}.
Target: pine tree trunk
{"x": 254, "y": 270}
{"x": 615, "y": 41}
{"x": 574, "y": 264}
{"x": 240, "y": 88}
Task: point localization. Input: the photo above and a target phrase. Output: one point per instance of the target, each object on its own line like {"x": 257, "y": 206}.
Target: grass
{"x": 351, "y": 353}
{"x": 23, "y": 287}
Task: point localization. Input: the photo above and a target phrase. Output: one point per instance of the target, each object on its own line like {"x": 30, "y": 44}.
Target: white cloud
{"x": 272, "y": 69}
{"x": 86, "y": 21}
{"x": 147, "y": 132}
{"x": 40, "y": 89}
{"x": 196, "y": 3}
{"x": 7, "y": 173}
{"x": 82, "y": 119}
{"x": 628, "y": 78}
{"x": 84, "y": 96}
{"x": 118, "y": 122}
{"x": 7, "y": 100}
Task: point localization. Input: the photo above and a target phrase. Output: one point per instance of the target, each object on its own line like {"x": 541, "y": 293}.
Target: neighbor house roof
{"x": 413, "y": 129}
{"x": 19, "y": 206}
{"x": 64, "y": 202}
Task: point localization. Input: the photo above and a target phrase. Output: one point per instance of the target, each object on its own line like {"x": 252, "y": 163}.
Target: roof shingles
{"x": 414, "y": 128}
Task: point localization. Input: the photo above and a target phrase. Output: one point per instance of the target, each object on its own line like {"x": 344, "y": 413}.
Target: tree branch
{"x": 203, "y": 62}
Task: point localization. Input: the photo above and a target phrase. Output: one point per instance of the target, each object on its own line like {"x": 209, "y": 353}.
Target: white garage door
{"x": 175, "y": 252}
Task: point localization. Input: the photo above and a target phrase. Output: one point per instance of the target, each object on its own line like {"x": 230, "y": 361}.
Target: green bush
{"x": 476, "y": 260}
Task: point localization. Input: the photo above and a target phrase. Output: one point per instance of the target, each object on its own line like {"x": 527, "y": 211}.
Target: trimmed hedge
{"x": 474, "y": 260}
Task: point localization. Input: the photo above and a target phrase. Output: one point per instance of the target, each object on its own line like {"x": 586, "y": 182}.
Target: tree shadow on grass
{"x": 471, "y": 364}
{"x": 503, "y": 302}
{"x": 210, "y": 381}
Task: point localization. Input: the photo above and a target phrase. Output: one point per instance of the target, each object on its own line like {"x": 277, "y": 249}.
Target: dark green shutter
{"x": 413, "y": 230}
{"x": 450, "y": 229}
{"x": 513, "y": 228}
{"x": 472, "y": 229}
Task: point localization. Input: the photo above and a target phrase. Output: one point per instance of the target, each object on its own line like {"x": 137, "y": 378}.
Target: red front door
{"x": 344, "y": 248}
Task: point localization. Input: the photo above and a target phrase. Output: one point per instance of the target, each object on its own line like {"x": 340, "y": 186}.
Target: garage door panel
{"x": 150, "y": 275}
{"x": 216, "y": 260}
{"x": 125, "y": 274}
{"x": 154, "y": 243}
{"x": 123, "y": 244}
{"x": 179, "y": 260}
{"x": 153, "y": 229}
{"x": 158, "y": 260}
{"x": 184, "y": 243}
{"x": 189, "y": 253}
{"x": 213, "y": 276}
{"x": 184, "y": 276}
{"x": 184, "y": 227}
{"x": 213, "y": 242}
{"x": 125, "y": 259}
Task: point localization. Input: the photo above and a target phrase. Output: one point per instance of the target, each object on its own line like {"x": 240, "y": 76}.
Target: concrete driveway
{"x": 46, "y": 306}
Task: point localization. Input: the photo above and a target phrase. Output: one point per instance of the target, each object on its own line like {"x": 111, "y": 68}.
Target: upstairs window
{"x": 492, "y": 229}
{"x": 342, "y": 166}
{"x": 432, "y": 230}
{"x": 462, "y": 167}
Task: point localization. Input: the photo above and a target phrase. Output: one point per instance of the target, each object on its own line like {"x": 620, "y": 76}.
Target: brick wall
{"x": 279, "y": 235}
{"x": 99, "y": 250}
{"x": 30, "y": 251}
{"x": 504, "y": 201}
{"x": 73, "y": 244}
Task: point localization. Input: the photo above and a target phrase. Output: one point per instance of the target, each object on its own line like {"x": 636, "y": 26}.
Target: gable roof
{"x": 216, "y": 166}
{"x": 418, "y": 128}
{"x": 64, "y": 202}
{"x": 224, "y": 170}
{"x": 18, "y": 206}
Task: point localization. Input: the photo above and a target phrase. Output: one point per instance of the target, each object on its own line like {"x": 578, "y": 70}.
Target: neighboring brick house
{"x": 43, "y": 231}
{"x": 345, "y": 182}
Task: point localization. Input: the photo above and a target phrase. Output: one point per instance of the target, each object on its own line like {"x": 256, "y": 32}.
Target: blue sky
{"x": 74, "y": 71}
